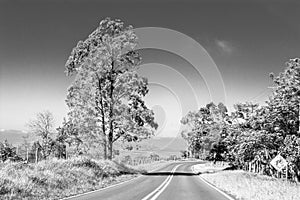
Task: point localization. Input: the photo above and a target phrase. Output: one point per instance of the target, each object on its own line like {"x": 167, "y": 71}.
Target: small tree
{"x": 43, "y": 128}
{"x": 8, "y": 152}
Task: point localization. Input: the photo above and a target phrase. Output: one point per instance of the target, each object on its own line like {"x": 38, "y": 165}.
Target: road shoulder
{"x": 204, "y": 168}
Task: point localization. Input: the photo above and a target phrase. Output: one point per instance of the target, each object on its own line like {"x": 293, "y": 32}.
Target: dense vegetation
{"x": 251, "y": 133}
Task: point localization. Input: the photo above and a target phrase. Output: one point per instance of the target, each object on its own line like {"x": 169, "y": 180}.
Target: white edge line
{"x": 98, "y": 190}
{"x": 211, "y": 185}
{"x": 111, "y": 186}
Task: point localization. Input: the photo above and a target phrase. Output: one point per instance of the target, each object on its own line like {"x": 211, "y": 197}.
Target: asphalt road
{"x": 175, "y": 181}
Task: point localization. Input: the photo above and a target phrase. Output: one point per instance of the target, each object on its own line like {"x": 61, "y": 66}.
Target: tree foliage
{"x": 8, "y": 152}
{"x": 205, "y": 128}
{"x": 43, "y": 128}
{"x": 106, "y": 97}
{"x": 252, "y": 132}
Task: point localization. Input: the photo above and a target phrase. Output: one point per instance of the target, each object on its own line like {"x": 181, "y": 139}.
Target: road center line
{"x": 162, "y": 186}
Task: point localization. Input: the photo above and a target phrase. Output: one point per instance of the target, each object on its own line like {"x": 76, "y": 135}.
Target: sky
{"x": 246, "y": 40}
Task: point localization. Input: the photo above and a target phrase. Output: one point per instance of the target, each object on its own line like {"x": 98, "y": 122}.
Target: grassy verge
{"x": 54, "y": 179}
{"x": 245, "y": 185}
{"x": 209, "y": 167}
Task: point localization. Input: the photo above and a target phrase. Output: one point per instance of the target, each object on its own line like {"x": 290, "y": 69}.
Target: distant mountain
{"x": 163, "y": 146}
{"x": 14, "y": 137}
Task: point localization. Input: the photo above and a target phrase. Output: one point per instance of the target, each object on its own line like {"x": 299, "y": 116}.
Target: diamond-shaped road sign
{"x": 278, "y": 162}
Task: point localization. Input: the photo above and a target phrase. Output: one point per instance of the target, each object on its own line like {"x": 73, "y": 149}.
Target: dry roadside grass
{"x": 54, "y": 179}
{"x": 250, "y": 186}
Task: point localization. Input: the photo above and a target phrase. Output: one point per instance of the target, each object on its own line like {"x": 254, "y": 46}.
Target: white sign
{"x": 278, "y": 162}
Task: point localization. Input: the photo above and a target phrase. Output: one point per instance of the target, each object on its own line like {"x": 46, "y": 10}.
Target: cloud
{"x": 225, "y": 46}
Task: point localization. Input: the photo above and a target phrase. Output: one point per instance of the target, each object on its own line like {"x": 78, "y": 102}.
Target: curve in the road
{"x": 155, "y": 193}
{"x": 175, "y": 181}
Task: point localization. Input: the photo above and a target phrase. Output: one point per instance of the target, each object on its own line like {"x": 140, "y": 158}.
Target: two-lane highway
{"x": 175, "y": 181}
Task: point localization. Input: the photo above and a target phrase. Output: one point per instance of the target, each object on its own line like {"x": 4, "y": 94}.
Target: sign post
{"x": 287, "y": 172}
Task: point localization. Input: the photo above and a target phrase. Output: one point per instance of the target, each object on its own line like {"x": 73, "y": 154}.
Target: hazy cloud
{"x": 225, "y": 46}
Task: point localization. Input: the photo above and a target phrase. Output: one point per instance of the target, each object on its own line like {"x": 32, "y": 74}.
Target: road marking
{"x": 155, "y": 193}
{"x": 212, "y": 186}
{"x": 108, "y": 187}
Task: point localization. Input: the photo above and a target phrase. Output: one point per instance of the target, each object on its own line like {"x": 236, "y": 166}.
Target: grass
{"x": 209, "y": 167}
{"x": 54, "y": 179}
{"x": 245, "y": 185}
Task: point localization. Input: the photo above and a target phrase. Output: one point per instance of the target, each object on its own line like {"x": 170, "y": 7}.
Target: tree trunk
{"x": 110, "y": 148}
{"x": 102, "y": 120}
{"x": 111, "y": 131}
{"x": 104, "y": 147}
{"x": 104, "y": 135}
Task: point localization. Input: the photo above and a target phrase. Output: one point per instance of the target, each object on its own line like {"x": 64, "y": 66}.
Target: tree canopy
{"x": 252, "y": 132}
{"x": 106, "y": 97}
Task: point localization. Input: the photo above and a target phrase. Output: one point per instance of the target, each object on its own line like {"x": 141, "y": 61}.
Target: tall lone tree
{"x": 106, "y": 97}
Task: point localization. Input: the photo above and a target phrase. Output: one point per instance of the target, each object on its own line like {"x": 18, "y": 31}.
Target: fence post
{"x": 26, "y": 154}
{"x": 256, "y": 167}
{"x": 36, "y": 155}
{"x": 249, "y": 166}
{"x": 66, "y": 151}
{"x": 287, "y": 172}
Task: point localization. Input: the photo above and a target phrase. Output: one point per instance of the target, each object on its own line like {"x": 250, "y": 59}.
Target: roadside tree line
{"x": 251, "y": 133}
{"x": 41, "y": 143}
